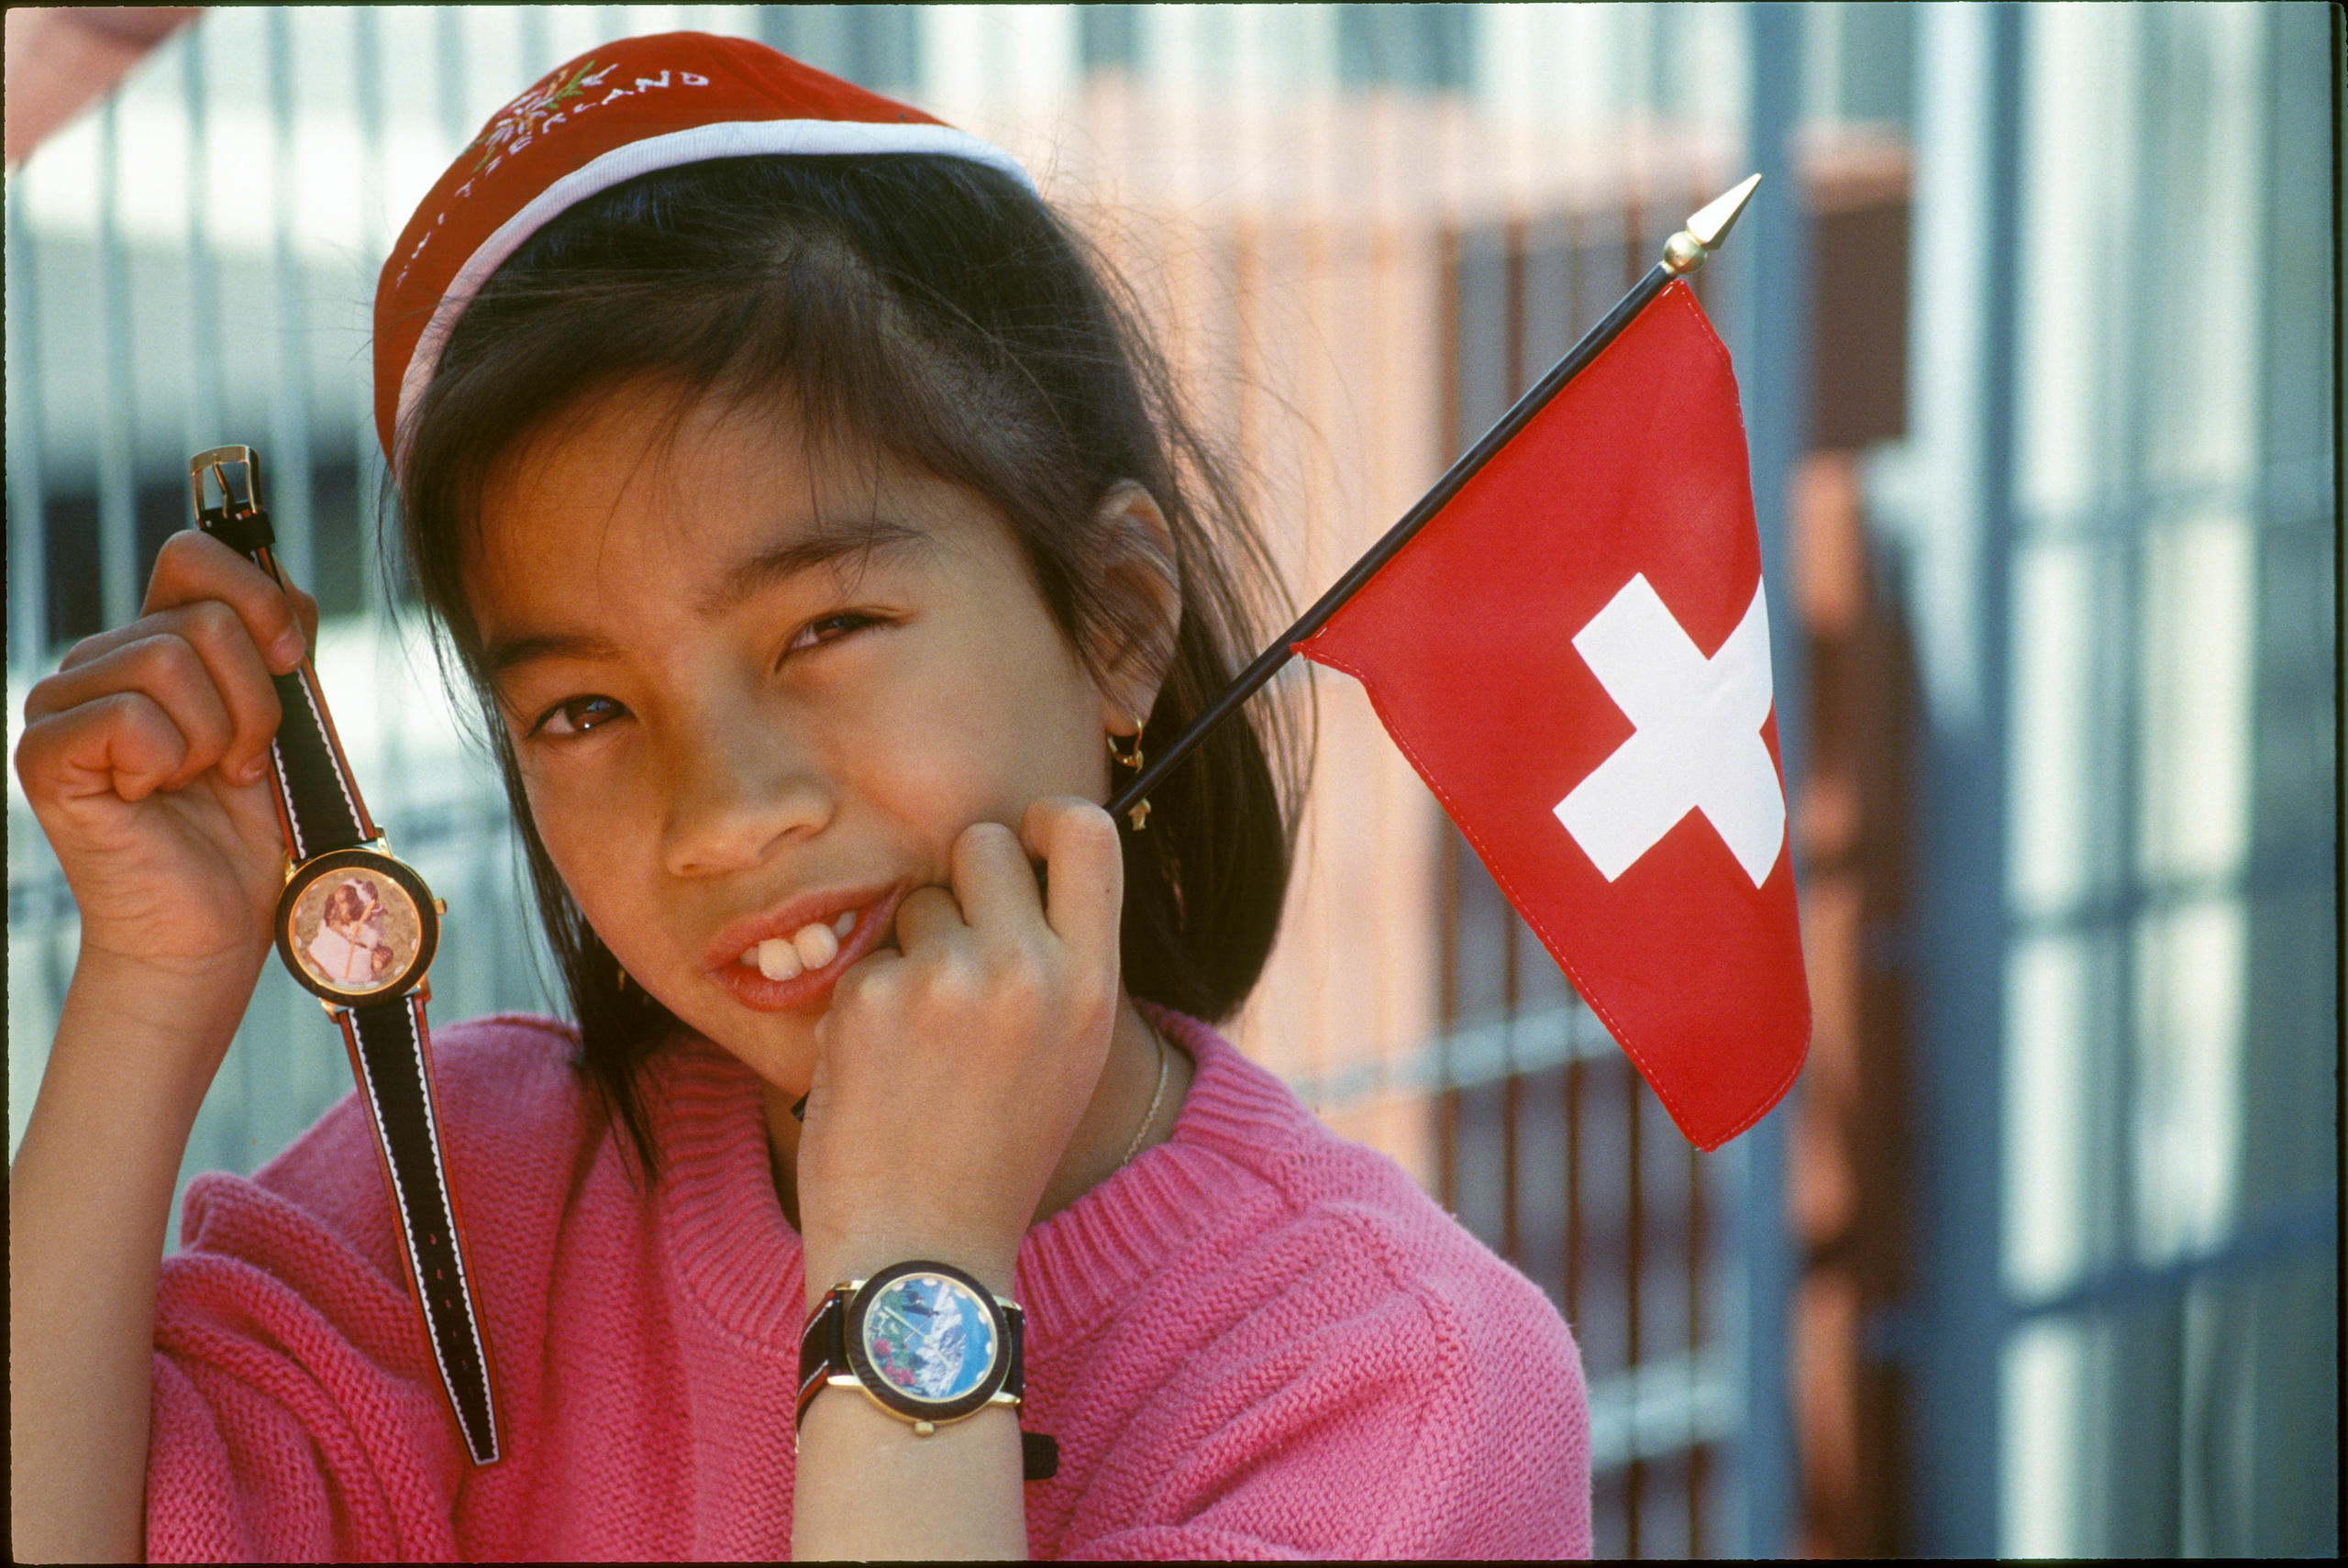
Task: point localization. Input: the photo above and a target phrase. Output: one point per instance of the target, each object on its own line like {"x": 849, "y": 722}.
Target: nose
{"x": 740, "y": 790}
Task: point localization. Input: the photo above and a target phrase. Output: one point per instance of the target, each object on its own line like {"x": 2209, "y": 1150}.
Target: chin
{"x": 780, "y": 1049}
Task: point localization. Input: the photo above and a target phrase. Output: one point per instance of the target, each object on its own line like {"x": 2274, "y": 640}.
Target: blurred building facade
{"x": 2035, "y": 352}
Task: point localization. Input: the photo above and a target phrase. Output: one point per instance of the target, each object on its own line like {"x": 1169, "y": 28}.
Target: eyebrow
{"x": 829, "y": 543}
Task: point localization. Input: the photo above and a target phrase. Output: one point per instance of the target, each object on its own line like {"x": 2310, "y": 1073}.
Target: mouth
{"x": 790, "y": 959}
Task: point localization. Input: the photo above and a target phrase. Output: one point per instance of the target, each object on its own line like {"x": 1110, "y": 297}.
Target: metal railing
{"x": 195, "y": 263}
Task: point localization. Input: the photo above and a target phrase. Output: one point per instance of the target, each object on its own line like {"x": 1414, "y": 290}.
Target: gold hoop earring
{"x": 1133, "y": 759}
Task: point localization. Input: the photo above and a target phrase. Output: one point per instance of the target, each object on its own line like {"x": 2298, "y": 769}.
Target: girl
{"x": 806, "y": 516}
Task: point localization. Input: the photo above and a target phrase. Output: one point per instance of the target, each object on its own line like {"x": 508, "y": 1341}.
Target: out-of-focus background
{"x": 2034, "y": 321}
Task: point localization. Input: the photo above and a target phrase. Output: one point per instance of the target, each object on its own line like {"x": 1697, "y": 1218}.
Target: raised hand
{"x": 145, "y": 759}
{"x": 954, "y": 1070}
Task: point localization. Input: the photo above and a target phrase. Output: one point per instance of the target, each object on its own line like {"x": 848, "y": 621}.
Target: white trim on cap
{"x": 698, "y": 144}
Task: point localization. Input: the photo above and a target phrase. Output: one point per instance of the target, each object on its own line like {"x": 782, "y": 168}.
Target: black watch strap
{"x": 317, "y": 798}
{"x": 321, "y": 811}
{"x": 823, "y": 1345}
{"x": 389, "y": 1047}
{"x": 316, "y": 792}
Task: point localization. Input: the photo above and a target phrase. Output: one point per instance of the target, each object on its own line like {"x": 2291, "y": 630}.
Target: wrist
{"x": 156, "y": 1032}
{"x": 143, "y": 988}
{"x": 864, "y": 1254}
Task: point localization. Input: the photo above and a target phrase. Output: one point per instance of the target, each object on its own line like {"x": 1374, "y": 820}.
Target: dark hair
{"x": 346, "y": 906}
{"x": 941, "y": 311}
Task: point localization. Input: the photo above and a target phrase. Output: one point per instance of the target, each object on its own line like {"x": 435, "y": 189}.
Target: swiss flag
{"x": 1575, "y": 655}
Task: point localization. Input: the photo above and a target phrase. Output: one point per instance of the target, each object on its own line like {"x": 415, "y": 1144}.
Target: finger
{"x": 227, "y": 666}
{"x": 194, "y": 566}
{"x": 240, "y": 677}
{"x": 166, "y": 670}
{"x": 926, "y": 915}
{"x": 1084, "y": 898}
{"x": 993, "y": 878}
{"x": 123, "y": 744}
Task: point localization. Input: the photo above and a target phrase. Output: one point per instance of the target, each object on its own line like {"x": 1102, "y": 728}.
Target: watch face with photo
{"x": 927, "y": 1342}
{"x": 355, "y": 924}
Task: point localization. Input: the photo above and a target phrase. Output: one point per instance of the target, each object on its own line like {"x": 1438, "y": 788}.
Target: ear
{"x": 1132, "y": 647}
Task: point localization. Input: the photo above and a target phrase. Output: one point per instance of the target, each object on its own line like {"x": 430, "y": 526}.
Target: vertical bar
{"x": 1521, "y": 371}
{"x": 27, "y": 497}
{"x": 1961, "y": 394}
{"x": 203, "y": 425}
{"x": 1632, "y": 254}
{"x": 1511, "y": 1097}
{"x": 448, "y": 38}
{"x": 377, "y": 591}
{"x": 538, "y": 49}
{"x": 118, "y": 594}
{"x": 289, "y": 389}
{"x": 217, "y": 1140}
{"x": 1447, "y": 1101}
{"x": 1577, "y": 240}
{"x": 375, "y": 241}
{"x": 1512, "y": 931}
{"x": 1447, "y": 855}
{"x": 1575, "y": 1222}
{"x": 1766, "y": 280}
{"x": 1697, "y": 1447}
{"x": 2142, "y": 1414}
{"x": 1634, "y": 1267}
{"x": 2298, "y": 963}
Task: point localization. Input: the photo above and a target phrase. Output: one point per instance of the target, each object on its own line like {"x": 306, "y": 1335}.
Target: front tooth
{"x": 817, "y": 944}
{"x": 778, "y": 959}
{"x": 749, "y": 957}
{"x": 842, "y": 926}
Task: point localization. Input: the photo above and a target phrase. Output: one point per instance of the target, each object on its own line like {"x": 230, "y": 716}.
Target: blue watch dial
{"x": 928, "y": 1337}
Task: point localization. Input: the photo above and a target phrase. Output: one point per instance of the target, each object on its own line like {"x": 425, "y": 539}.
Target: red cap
{"x": 625, "y": 109}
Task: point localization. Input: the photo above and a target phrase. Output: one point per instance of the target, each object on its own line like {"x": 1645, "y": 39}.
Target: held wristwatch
{"x": 926, "y": 1343}
{"x": 358, "y": 928}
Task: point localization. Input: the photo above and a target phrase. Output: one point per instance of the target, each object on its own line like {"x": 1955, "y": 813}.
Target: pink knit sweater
{"x": 1256, "y": 1341}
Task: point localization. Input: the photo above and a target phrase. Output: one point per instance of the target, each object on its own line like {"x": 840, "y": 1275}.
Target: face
{"x": 354, "y": 913}
{"x": 757, "y": 689}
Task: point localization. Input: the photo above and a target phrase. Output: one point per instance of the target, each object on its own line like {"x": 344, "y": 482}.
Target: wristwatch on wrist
{"x": 926, "y": 1343}
{"x": 358, "y": 928}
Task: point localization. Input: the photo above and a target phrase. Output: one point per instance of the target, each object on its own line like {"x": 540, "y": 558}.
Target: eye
{"x": 831, "y": 629}
{"x": 576, "y": 717}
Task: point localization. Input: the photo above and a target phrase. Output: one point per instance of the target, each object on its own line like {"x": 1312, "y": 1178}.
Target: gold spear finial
{"x": 1686, "y": 251}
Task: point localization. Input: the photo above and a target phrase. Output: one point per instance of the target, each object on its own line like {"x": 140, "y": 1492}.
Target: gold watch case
{"x": 356, "y": 926}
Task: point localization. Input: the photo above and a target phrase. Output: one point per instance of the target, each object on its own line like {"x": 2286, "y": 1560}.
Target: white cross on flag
{"x": 1575, "y": 655}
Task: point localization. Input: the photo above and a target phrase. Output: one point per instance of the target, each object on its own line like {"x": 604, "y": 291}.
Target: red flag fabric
{"x": 1574, "y": 653}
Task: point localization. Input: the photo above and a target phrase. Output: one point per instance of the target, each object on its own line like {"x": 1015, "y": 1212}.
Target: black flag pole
{"x": 1682, "y": 254}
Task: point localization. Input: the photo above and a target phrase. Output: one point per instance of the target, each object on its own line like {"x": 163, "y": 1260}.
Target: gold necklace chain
{"x": 1150, "y": 1115}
